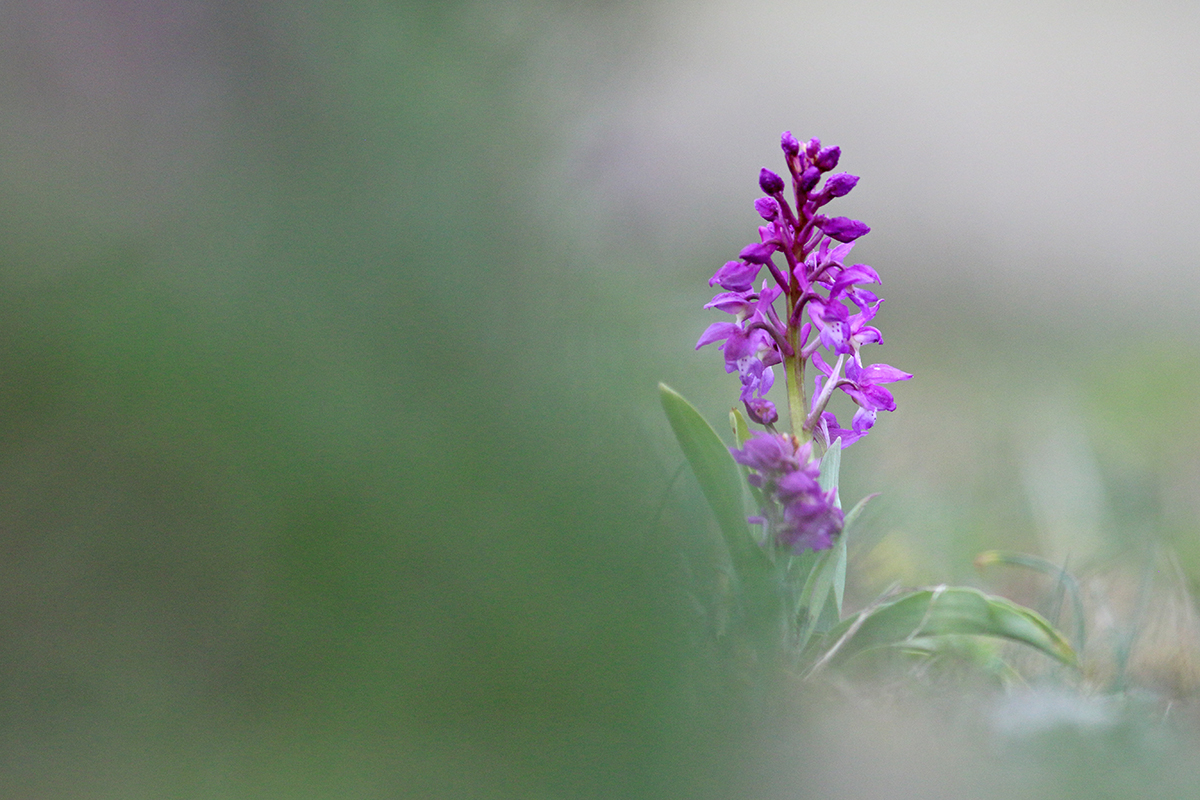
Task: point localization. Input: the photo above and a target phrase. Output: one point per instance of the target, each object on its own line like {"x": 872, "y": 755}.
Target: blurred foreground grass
{"x": 332, "y": 465}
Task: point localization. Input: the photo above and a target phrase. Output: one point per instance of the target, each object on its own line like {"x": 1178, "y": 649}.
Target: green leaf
{"x": 741, "y": 432}
{"x": 800, "y": 566}
{"x": 741, "y": 428}
{"x": 937, "y": 612}
{"x": 839, "y": 573}
{"x": 819, "y": 605}
{"x": 719, "y": 478}
{"x": 831, "y": 464}
{"x": 824, "y": 591}
{"x": 839, "y": 578}
{"x": 978, "y": 652}
{"x": 852, "y": 514}
{"x": 816, "y": 586}
{"x": 1064, "y": 580}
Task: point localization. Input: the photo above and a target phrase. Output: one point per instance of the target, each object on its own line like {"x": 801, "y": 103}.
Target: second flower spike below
{"x": 796, "y": 513}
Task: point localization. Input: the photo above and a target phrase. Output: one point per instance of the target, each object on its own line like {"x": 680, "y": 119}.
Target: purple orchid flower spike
{"x": 805, "y": 251}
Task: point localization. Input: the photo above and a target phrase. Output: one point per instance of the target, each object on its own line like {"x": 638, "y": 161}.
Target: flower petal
{"x": 716, "y": 332}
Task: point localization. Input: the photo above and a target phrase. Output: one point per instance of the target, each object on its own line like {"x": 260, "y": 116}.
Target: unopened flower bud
{"x": 790, "y": 146}
{"x": 761, "y": 411}
{"x": 827, "y": 159}
{"x": 812, "y": 148}
{"x": 767, "y": 208}
{"x": 808, "y": 179}
{"x": 759, "y": 252}
{"x": 839, "y": 185}
{"x": 769, "y": 182}
{"x": 842, "y": 229}
{"x": 736, "y": 276}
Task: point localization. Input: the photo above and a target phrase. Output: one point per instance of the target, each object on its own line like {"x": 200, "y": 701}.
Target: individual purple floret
{"x": 796, "y": 513}
{"x": 752, "y": 345}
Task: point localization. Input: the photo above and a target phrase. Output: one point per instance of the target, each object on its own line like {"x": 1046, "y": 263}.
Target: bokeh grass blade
{"x": 937, "y": 612}
{"x": 853, "y": 513}
{"x": 1064, "y": 579}
{"x": 719, "y": 477}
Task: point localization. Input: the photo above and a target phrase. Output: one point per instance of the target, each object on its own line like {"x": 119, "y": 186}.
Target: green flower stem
{"x": 822, "y": 400}
{"x": 794, "y": 369}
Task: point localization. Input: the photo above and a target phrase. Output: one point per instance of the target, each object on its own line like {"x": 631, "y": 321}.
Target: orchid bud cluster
{"x": 797, "y": 513}
{"x": 805, "y": 253}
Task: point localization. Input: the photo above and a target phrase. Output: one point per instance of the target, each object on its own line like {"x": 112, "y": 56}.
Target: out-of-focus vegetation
{"x": 331, "y": 459}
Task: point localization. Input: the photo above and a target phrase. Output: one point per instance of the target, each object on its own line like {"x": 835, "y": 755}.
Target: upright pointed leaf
{"x": 817, "y": 606}
{"x": 853, "y": 513}
{"x": 824, "y": 591}
{"x": 831, "y": 464}
{"x": 741, "y": 432}
{"x": 818, "y": 580}
{"x": 741, "y": 428}
{"x": 718, "y": 476}
{"x": 839, "y": 573}
{"x": 839, "y": 578}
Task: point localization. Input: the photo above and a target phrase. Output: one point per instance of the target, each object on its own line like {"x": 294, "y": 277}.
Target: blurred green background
{"x": 329, "y": 334}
